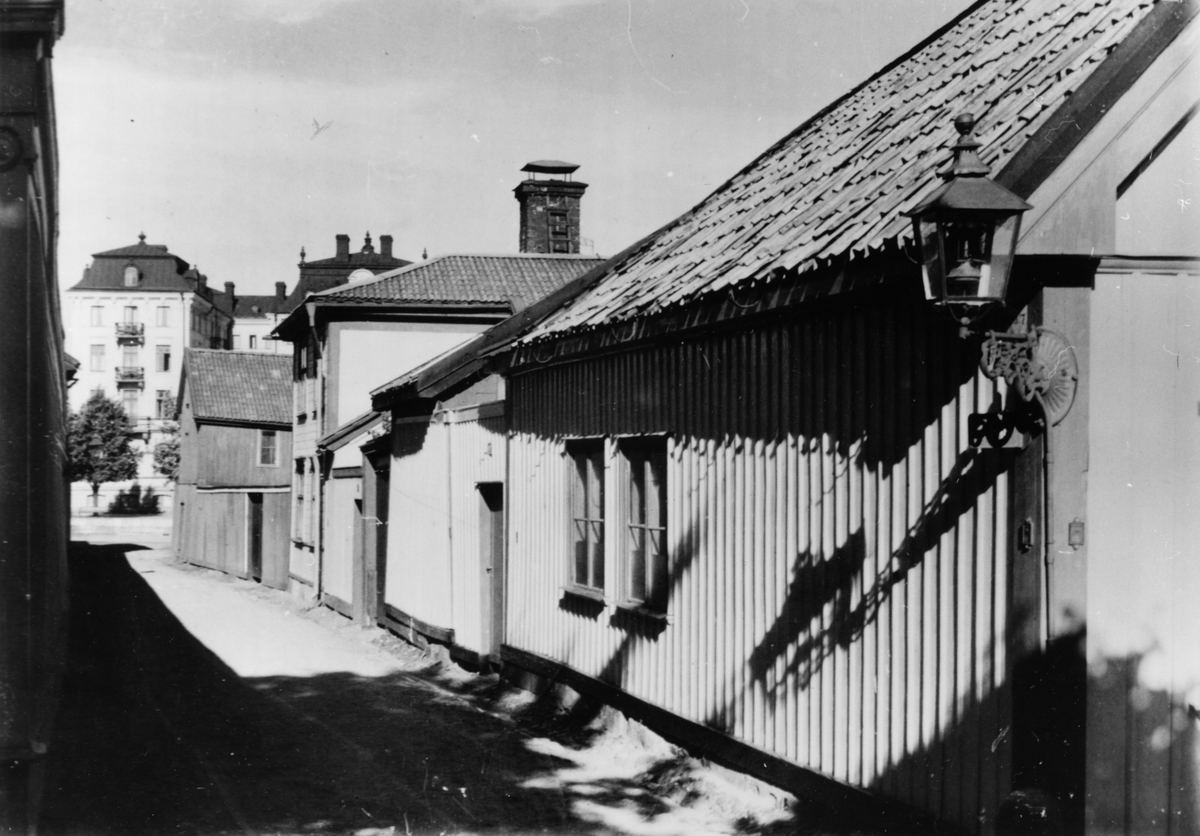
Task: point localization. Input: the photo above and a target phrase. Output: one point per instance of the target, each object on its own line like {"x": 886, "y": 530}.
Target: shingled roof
{"x": 514, "y": 281}
{"x": 240, "y": 386}
{"x": 839, "y": 184}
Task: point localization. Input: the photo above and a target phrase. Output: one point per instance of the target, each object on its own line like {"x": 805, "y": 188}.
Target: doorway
{"x": 491, "y": 560}
{"x": 256, "y": 536}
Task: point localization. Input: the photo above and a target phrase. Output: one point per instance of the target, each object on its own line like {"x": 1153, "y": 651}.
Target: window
{"x": 237, "y": 341}
{"x": 162, "y": 358}
{"x": 267, "y": 451}
{"x": 129, "y": 357}
{"x": 97, "y": 364}
{"x": 164, "y": 404}
{"x": 587, "y": 513}
{"x": 131, "y": 313}
{"x": 644, "y": 547}
{"x": 131, "y": 278}
{"x": 97, "y": 314}
{"x": 129, "y": 400}
{"x": 253, "y": 341}
{"x": 162, "y": 316}
{"x": 558, "y": 224}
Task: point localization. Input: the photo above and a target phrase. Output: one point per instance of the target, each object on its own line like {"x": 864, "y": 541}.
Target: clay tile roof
{"x": 837, "y": 186}
{"x": 514, "y": 281}
{"x": 245, "y": 386}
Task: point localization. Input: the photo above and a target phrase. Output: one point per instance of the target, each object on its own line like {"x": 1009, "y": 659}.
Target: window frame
{"x": 162, "y": 316}
{"x": 162, "y": 358}
{"x": 263, "y": 448}
{"x": 96, "y": 357}
{"x": 587, "y": 514}
{"x": 96, "y": 316}
{"x": 644, "y": 573}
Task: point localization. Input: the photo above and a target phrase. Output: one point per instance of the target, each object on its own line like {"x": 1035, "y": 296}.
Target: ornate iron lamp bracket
{"x": 1041, "y": 367}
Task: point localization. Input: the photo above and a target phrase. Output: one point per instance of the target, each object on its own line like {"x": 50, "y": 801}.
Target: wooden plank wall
{"x": 477, "y": 454}
{"x": 228, "y": 457}
{"x": 337, "y": 562}
{"x": 215, "y": 534}
{"x": 839, "y": 579}
{"x": 277, "y": 527}
{"x": 1143, "y": 577}
{"x": 418, "y": 580}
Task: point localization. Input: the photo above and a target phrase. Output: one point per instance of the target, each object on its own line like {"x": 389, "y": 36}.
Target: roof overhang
{"x": 349, "y": 431}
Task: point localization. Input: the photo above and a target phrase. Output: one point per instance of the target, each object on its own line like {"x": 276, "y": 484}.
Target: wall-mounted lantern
{"x": 966, "y": 231}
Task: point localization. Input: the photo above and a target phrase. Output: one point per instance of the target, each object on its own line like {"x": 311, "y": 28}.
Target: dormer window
{"x": 131, "y": 276}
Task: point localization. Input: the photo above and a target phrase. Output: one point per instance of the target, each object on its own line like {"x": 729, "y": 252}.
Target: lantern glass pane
{"x": 967, "y": 243}
{"x": 929, "y": 240}
{"x": 1004, "y": 244}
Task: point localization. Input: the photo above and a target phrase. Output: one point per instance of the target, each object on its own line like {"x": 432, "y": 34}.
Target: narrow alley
{"x": 199, "y": 703}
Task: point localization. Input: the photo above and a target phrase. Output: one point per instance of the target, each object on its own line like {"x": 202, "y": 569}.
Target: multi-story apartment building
{"x": 128, "y": 320}
{"x": 255, "y": 317}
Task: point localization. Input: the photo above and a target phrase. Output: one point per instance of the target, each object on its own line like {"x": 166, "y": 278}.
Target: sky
{"x": 238, "y": 131}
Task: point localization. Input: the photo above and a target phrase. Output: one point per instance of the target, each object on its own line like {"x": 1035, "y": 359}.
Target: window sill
{"x": 585, "y": 593}
{"x": 642, "y": 611}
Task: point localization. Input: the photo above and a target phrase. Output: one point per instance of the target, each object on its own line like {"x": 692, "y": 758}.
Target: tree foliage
{"x": 166, "y": 457}
{"x": 98, "y": 443}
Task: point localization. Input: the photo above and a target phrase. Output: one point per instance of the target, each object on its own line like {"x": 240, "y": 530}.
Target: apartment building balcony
{"x": 131, "y": 333}
{"x": 131, "y": 376}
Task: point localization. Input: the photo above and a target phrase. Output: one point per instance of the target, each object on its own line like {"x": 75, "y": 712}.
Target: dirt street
{"x": 198, "y": 703}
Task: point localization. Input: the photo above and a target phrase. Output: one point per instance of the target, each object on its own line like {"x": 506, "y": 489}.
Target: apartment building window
{"x": 587, "y": 513}
{"x": 643, "y": 552}
{"x": 129, "y": 356}
{"x": 164, "y": 405}
{"x": 97, "y": 364}
{"x": 162, "y": 358}
{"x": 267, "y": 450}
{"x": 162, "y": 315}
{"x": 253, "y": 341}
{"x": 237, "y": 341}
{"x": 131, "y": 278}
{"x": 97, "y": 315}
{"x": 129, "y": 400}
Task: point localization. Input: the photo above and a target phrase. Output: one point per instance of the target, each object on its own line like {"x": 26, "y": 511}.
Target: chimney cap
{"x": 550, "y": 167}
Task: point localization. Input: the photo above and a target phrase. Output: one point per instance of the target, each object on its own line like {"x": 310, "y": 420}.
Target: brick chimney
{"x": 343, "y": 247}
{"x": 280, "y": 291}
{"x": 229, "y": 293}
{"x": 549, "y": 208}
{"x": 385, "y": 246}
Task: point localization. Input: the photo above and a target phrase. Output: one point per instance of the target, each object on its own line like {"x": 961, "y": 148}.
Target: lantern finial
{"x": 966, "y": 161}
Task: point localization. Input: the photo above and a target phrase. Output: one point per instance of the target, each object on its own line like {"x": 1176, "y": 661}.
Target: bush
{"x": 134, "y": 501}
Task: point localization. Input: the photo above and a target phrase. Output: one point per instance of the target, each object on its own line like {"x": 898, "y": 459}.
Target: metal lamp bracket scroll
{"x": 1040, "y": 366}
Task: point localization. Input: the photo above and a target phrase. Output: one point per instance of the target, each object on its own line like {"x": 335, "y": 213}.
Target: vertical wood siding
{"x": 337, "y": 563}
{"x": 434, "y": 568}
{"x": 1143, "y": 522}
{"x": 838, "y": 569}
{"x": 477, "y": 454}
{"x": 418, "y": 571}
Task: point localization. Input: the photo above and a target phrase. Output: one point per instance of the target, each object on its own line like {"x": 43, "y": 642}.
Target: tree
{"x": 166, "y": 457}
{"x": 99, "y": 444}
{"x": 166, "y": 452}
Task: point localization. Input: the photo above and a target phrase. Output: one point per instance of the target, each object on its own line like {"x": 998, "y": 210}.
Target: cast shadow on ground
{"x": 156, "y": 734}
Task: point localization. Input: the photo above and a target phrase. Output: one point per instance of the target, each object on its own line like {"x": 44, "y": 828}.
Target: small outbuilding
{"x": 233, "y": 496}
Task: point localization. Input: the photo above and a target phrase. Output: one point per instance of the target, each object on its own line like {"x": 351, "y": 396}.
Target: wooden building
{"x": 342, "y": 584}
{"x": 233, "y": 497}
{"x": 33, "y": 410}
{"x": 406, "y": 316}
{"x": 743, "y": 499}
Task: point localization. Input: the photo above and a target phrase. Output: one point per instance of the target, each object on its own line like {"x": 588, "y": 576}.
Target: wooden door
{"x": 374, "y": 536}
{"x": 491, "y": 561}
{"x": 255, "y": 540}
